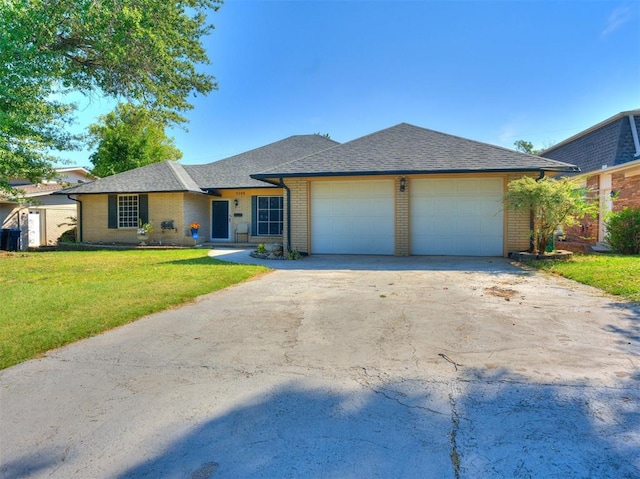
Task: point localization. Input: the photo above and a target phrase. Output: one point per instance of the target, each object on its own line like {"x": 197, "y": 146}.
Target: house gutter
{"x": 79, "y": 238}
{"x": 634, "y": 132}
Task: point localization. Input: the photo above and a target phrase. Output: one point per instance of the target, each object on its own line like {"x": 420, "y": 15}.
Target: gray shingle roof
{"x": 609, "y": 143}
{"x": 404, "y": 149}
{"x": 233, "y": 172}
{"x": 155, "y": 178}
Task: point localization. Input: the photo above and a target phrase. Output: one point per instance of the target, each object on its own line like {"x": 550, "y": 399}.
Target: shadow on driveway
{"x": 413, "y": 429}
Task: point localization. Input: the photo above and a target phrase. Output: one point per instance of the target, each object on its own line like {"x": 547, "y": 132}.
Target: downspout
{"x": 79, "y": 238}
{"x": 634, "y": 132}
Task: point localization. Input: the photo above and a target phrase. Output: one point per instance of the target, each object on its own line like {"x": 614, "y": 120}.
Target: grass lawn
{"x": 50, "y": 299}
{"x": 615, "y": 274}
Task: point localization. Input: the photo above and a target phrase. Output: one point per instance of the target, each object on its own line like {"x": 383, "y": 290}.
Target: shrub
{"x": 623, "y": 231}
{"x": 551, "y": 203}
{"x": 68, "y": 236}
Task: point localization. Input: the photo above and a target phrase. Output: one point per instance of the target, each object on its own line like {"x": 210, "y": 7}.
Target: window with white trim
{"x": 128, "y": 211}
{"x": 269, "y": 215}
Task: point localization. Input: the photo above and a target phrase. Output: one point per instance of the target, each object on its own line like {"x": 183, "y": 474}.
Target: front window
{"x": 269, "y": 215}
{"x": 128, "y": 211}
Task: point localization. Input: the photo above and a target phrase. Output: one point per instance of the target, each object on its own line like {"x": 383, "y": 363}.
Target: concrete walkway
{"x": 343, "y": 367}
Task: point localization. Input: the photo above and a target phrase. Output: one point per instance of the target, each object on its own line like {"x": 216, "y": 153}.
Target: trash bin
{"x": 4, "y": 237}
{"x": 13, "y": 240}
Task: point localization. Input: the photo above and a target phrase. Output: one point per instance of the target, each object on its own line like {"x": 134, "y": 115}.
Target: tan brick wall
{"x": 299, "y": 215}
{"x": 517, "y": 224}
{"x": 162, "y": 207}
{"x": 196, "y": 208}
{"x": 403, "y": 247}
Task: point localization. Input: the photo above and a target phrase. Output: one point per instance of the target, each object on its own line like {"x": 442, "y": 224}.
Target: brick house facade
{"x": 608, "y": 155}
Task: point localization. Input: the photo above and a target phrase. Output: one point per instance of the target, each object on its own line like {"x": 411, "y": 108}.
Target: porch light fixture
{"x": 235, "y": 202}
{"x": 403, "y": 184}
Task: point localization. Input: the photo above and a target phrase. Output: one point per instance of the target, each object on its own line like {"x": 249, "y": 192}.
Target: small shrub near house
{"x": 623, "y": 231}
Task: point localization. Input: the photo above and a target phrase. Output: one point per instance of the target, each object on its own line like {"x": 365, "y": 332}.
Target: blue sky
{"x": 492, "y": 71}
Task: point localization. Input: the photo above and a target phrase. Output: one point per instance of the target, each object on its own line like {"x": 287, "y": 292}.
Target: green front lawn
{"x": 51, "y": 299}
{"x": 615, "y": 274}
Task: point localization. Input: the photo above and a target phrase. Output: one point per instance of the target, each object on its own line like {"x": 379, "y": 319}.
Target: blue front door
{"x": 220, "y": 220}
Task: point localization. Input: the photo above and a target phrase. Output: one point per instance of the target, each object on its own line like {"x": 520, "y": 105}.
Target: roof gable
{"x": 405, "y": 149}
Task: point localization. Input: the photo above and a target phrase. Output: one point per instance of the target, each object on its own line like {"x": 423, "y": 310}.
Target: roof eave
{"x": 265, "y": 176}
{"x": 128, "y": 192}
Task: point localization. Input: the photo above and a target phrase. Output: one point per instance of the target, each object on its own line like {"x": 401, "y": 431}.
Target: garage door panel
{"x": 459, "y": 216}
{"x": 358, "y": 219}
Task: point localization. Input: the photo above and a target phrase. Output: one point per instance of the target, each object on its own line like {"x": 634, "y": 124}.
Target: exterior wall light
{"x": 403, "y": 184}
{"x": 235, "y": 202}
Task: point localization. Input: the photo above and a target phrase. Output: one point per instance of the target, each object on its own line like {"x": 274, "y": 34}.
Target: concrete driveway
{"x": 343, "y": 367}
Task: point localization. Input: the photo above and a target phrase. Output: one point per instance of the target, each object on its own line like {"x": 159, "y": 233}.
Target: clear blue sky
{"x": 492, "y": 71}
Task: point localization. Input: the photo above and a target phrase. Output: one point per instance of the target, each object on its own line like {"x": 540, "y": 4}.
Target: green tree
{"x": 525, "y": 147}
{"x": 146, "y": 51}
{"x": 552, "y": 203}
{"x": 127, "y": 138}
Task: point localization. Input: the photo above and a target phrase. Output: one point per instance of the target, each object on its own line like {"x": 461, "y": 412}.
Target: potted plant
{"x": 143, "y": 231}
{"x": 195, "y": 226}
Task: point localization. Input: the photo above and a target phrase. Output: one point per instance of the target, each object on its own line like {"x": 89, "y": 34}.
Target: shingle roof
{"x": 609, "y": 143}
{"x": 233, "y": 172}
{"x": 155, "y": 178}
{"x": 404, "y": 149}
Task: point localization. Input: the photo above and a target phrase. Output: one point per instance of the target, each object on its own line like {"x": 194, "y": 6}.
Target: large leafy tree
{"x": 551, "y": 203}
{"x": 146, "y": 51}
{"x": 127, "y": 138}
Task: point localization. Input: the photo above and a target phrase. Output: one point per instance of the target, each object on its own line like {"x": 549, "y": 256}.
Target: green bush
{"x": 623, "y": 231}
{"x": 68, "y": 236}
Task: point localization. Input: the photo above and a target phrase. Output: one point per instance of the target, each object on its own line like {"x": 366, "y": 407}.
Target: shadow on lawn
{"x": 498, "y": 427}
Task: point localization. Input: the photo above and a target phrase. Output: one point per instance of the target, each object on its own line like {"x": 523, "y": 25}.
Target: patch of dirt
{"x": 505, "y": 293}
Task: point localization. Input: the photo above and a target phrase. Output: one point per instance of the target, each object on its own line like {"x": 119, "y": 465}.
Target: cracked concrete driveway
{"x": 343, "y": 367}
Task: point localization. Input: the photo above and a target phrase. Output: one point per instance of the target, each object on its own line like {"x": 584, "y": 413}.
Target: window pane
{"x": 275, "y": 229}
{"x": 263, "y": 202}
{"x": 275, "y": 202}
{"x": 263, "y": 228}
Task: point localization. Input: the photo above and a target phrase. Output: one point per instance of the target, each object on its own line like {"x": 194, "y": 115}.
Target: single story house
{"x": 608, "y": 155}
{"x": 40, "y": 215}
{"x": 402, "y": 191}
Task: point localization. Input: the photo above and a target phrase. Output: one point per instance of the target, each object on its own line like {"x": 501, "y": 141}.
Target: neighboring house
{"x": 41, "y": 216}
{"x": 608, "y": 155}
{"x": 404, "y": 190}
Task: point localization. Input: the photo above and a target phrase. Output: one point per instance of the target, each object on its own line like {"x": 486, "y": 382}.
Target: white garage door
{"x": 462, "y": 217}
{"x": 352, "y": 217}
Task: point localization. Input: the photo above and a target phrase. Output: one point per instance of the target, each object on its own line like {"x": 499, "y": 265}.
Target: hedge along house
{"x": 227, "y": 203}
{"x": 404, "y": 191}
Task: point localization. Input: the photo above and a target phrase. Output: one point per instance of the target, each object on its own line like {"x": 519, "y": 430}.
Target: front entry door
{"x": 220, "y": 220}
